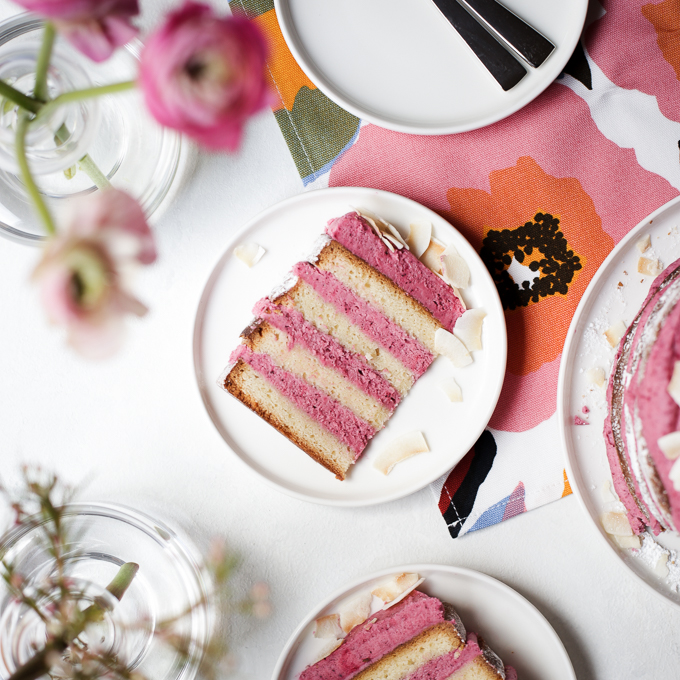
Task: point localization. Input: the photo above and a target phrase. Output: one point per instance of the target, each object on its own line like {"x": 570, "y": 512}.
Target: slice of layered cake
{"x": 331, "y": 354}
{"x": 642, "y": 428}
{"x": 420, "y": 638}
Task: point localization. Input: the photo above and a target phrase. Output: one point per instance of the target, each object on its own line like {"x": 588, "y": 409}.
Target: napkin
{"x": 543, "y": 195}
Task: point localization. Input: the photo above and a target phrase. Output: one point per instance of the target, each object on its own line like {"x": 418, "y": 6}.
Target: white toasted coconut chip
{"x": 387, "y": 243}
{"x": 674, "y": 475}
{"x": 398, "y": 244}
{"x": 329, "y": 647}
{"x": 431, "y": 258}
{"x": 644, "y": 243}
{"x": 355, "y": 611}
{"x": 395, "y": 586}
{"x": 405, "y": 594}
{"x": 627, "y": 541}
{"x": 670, "y": 445}
{"x": 606, "y": 493}
{"x": 452, "y": 348}
{"x": 616, "y": 524}
{"x": 596, "y": 376}
{"x": 249, "y": 253}
{"x": 420, "y": 233}
{"x": 399, "y": 449}
{"x": 451, "y": 389}
{"x": 661, "y": 566}
{"x": 649, "y": 267}
{"x": 615, "y": 332}
{"x": 454, "y": 268}
{"x": 460, "y": 297}
{"x": 328, "y": 627}
{"x": 674, "y": 384}
{"x": 468, "y": 329}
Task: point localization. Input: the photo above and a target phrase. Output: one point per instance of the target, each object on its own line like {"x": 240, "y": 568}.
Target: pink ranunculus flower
{"x": 95, "y": 27}
{"x": 83, "y": 270}
{"x": 204, "y": 75}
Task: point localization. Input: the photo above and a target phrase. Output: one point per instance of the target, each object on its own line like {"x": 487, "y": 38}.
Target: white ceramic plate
{"x": 401, "y": 65}
{"x": 510, "y": 624}
{"x": 603, "y": 304}
{"x": 287, "y": 231}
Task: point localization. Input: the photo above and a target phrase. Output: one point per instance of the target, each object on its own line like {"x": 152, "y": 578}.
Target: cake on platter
{"x": 332, "y": 352}
{"x": 642, "y": 427}
{"x": 412, "y": 636}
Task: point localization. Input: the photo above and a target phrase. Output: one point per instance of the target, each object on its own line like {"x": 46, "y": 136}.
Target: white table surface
{"x": 135, "y": 428}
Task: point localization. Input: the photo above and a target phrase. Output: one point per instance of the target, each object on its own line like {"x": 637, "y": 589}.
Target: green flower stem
{"x": 39, "y": 664}
{"x": 19, "y": 98}
{"x": 31, "y": 187}
{"x": 86, "y": 164}
{"x": 44, "y": 56}
{"x": 79, "y": 95}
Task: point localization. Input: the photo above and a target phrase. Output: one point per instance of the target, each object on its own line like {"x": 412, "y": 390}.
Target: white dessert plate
{"x": 287, "y": 231}
{"x": 401, "y": 65}
{"x": 509, "y": 623}
{"x": 604, "y": 303}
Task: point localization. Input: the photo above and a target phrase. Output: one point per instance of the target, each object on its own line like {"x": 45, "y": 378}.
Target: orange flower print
{"x": 541, "y": 238}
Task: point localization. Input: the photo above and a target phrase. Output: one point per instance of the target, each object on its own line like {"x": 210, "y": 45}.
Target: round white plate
{"x": 401, "y": 65}
{"x": 509, "y": 624}
{"x": 604, "y": 303}
{"x": 287, "y": 232}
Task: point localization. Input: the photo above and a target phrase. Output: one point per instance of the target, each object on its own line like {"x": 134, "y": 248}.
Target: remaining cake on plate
{"x": 418, "y": 638}
{"x": 331, "y": 354}
{"x": 642, "y": 429}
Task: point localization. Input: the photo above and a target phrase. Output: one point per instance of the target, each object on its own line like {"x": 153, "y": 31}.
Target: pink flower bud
{"x": 204, "y": 75}
{"x": 82, "y": 271}
{"x": 95, "y": 27}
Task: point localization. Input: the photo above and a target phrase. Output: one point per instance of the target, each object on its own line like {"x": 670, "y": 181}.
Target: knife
{"x": 515, "y": 32}
{"x": 503, "y": 66}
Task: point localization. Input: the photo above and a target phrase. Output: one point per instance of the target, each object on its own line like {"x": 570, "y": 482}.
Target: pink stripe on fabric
{"x": 375, "y": 325}
{"x": 329, "y": 351}
{"x": 401, "y": 266}
{"x": 331, "y": 415}
{"x": 444, "y": 666}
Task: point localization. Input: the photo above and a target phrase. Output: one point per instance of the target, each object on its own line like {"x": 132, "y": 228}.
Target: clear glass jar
{"x": 126, "y": 144}
{"x": 102, "y": 538}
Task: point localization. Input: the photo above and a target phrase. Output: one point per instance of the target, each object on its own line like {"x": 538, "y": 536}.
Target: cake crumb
{"x": 585, "y": 409}
{"x": 580, "y": 421}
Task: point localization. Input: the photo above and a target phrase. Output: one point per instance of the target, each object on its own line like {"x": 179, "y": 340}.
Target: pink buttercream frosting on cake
{"x": 330, "y": 352}
{"x": 373, "y": 323}
{"x": 401, "y": 266}
{"x": 444, "y": 666}
{"x": 336, "y": 418}
{"x": 365, "y": 644}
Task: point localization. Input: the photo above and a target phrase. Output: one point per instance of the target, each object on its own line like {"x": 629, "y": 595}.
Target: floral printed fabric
{"x": 543, "y": 196}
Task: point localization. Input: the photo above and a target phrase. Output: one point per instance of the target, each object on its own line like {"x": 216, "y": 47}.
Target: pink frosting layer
{"x": 375, "y": 325}
{"x": 444, "y": 666}
{"x": 331, "y": 415}
{"x": 510, "y": 673}
{"x": 401, "y": 266}
{"x": 330, "y": 352}
{"x": 393, "y": 627}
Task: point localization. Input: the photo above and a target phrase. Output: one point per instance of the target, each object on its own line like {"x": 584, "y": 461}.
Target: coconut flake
{"x": 596, "y": 376}
{"x": 399, "y": 449}
{"x": 674, "y": 475}
{"x": 454, "y": 268}
{"x": 674, "y": 384}
{"x": 616, "y": 524}
{"x": 396, "y": 585}
{"x": 398, "y": 244}
{"x": 649, "y": 267}
{"x": 451, "y": 347}
{"x": 404, "y": 595}
{"x": 468, "y": 329}
{"x": 395, "y": 233}
{"x": 606, "y": 493}
{"x": 419, "y": 236}
{"x": 670, "y": 445}
{"x": 328, "y": 648}
{"x": 627, "y": 541}
{"x": 431, "y": 257}
{"x": 328, "y": 627}
{"x": 355, "y": 611}
{"x": 451, "y": 389}
{"x": 661, "y": 566}
{"x": 387, "y": 243}
{"x": 644, "y": 243}
{"x": 249, "y": 253}
{"x": 615, "y": 332}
